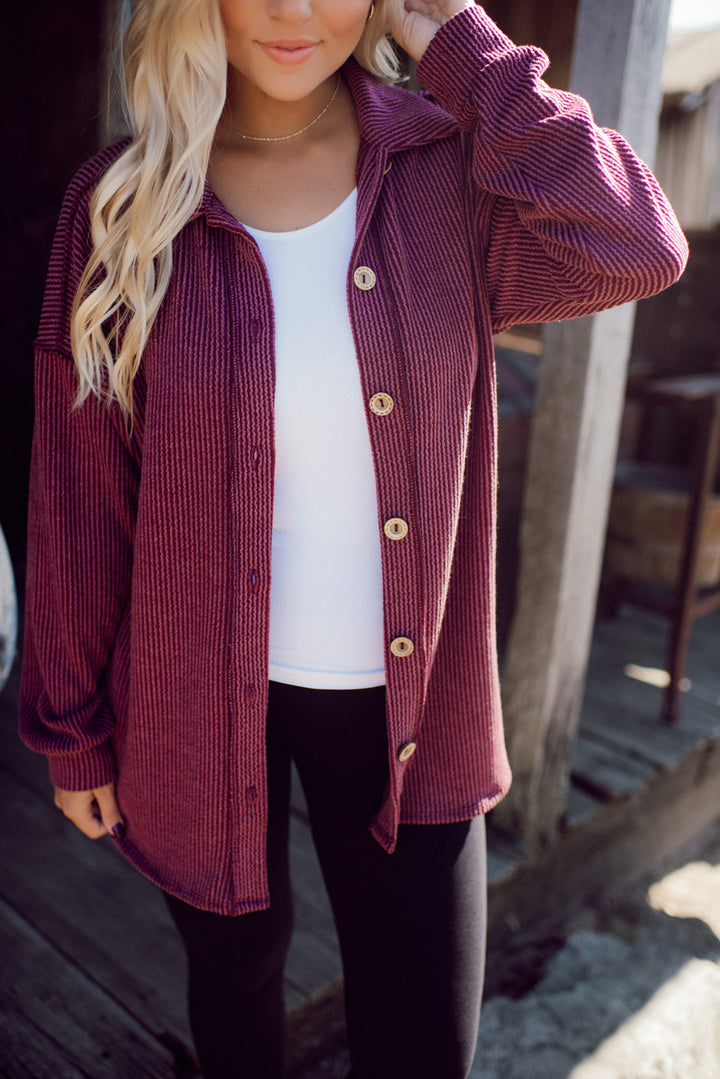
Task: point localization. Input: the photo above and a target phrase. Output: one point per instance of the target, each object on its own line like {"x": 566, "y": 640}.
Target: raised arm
{"x": 568, "y": 219}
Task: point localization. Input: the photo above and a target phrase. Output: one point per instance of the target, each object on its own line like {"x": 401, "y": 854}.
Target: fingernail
{"x": 118, "y": 831}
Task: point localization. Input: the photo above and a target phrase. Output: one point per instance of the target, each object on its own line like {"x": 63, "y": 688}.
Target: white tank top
{"x": 326, "y": 629}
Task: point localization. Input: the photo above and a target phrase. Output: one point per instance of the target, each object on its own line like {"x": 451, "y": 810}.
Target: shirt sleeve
{"x": 83, "y": 491}
{"x": 568, "y": 218}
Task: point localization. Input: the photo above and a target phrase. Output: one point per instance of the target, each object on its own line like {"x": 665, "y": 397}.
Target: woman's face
{"x": 287, "y": 48}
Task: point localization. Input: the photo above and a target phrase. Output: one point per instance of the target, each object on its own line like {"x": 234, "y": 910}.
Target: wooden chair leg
{"x": 707, "y": 448}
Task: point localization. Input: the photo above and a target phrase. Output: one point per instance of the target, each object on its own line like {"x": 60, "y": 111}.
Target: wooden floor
{"x": 91, "y": 975}
{"x": 622, "y": 744}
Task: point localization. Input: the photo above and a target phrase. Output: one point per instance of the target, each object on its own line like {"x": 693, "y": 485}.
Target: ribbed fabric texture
{"x": 496, "y": 201}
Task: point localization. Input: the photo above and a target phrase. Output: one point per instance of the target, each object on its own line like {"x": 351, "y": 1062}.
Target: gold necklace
{"x": 284, "y": 138}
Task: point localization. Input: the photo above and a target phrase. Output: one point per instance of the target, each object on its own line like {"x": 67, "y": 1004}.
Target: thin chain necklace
{"x": 285, "y": 138}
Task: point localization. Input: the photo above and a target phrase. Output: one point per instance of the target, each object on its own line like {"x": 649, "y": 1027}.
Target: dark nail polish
{"x": 118, "y": 831}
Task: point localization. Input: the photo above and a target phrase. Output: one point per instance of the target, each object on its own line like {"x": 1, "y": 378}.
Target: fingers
{"x": 111, "y": 816}
{"x": 81, "y": 808}
{"x": 94, "y": 812}
{"x": 414, "y": 23}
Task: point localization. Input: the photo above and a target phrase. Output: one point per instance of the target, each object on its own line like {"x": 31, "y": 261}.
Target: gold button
{"x": 365, "y": 278}
{"x": 387, "y": 168}
{"x": 396, "y": 528}
{"x": 402, "y": 646}
{"x": 381, "y": 404}
{"x": 405, "y": 752}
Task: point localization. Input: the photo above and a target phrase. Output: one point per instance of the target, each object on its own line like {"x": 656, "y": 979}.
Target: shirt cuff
{"x": 84, "y": 771}
{"x": 462, "y": 48}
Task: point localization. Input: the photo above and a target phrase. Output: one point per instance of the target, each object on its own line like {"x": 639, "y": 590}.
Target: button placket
{"x": 383, "y": 372}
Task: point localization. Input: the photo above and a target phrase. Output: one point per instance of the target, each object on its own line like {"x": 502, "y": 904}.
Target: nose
{"x": 291, "y": 12}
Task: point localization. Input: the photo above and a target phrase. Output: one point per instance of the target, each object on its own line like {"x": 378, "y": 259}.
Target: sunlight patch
{"x": 690, "y": 892}
{"x": 680, "y": 1023}
{"x": 654, "y": 676}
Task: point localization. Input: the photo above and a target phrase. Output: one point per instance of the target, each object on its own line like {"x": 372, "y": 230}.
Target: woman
{"x": 266, "y": 529}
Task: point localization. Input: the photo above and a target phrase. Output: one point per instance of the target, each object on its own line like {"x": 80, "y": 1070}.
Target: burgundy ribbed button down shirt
{"x": 149, "y": 559}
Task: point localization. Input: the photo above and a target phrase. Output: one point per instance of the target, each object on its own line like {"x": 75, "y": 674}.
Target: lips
{"x": 289, "y": 51}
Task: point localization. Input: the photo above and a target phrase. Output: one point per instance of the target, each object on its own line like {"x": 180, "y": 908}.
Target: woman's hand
{"x": 94, "y": 812}
{"x": 414, "y": 23}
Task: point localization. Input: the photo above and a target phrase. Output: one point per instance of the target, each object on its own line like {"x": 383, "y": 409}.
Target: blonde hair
{"x": 175, "y": 84}
{"x": 375, "y": 49}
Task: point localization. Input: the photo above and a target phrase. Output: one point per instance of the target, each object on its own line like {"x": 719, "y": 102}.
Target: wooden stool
{"x": 697, "y": 396}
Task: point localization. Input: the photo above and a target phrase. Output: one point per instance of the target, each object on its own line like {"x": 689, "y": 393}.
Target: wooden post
{"x": 616, "y": 65}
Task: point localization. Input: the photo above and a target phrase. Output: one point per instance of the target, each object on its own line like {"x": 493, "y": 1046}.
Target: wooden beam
{"x": 616, "y": 65}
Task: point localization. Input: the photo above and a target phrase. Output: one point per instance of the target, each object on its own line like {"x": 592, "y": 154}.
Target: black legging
{"x": 411, "y": 924}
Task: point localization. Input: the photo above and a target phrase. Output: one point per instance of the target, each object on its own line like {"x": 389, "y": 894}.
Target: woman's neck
{"x": 251, "y": 113}
{"x": 288, "y": 183}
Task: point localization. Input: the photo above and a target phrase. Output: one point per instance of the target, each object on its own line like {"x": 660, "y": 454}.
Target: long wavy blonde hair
{"x": 175, "y": 83}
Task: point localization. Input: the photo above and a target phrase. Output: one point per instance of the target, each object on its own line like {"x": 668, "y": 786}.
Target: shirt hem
{"x": 290, "y": 676}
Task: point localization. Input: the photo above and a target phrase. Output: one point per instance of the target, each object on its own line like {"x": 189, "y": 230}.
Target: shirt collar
{"x": 390, "y": 120}
{"x": 395, "y": 119}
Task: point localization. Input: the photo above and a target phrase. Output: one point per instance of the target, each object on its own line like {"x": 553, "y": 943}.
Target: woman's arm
{"x": 83, "y": 485}
{"x": 570, "y": 220}
{"x": 83, "y": 491}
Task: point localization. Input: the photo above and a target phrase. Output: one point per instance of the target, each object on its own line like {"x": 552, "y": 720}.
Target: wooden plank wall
{"x": 691, "y": 132}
